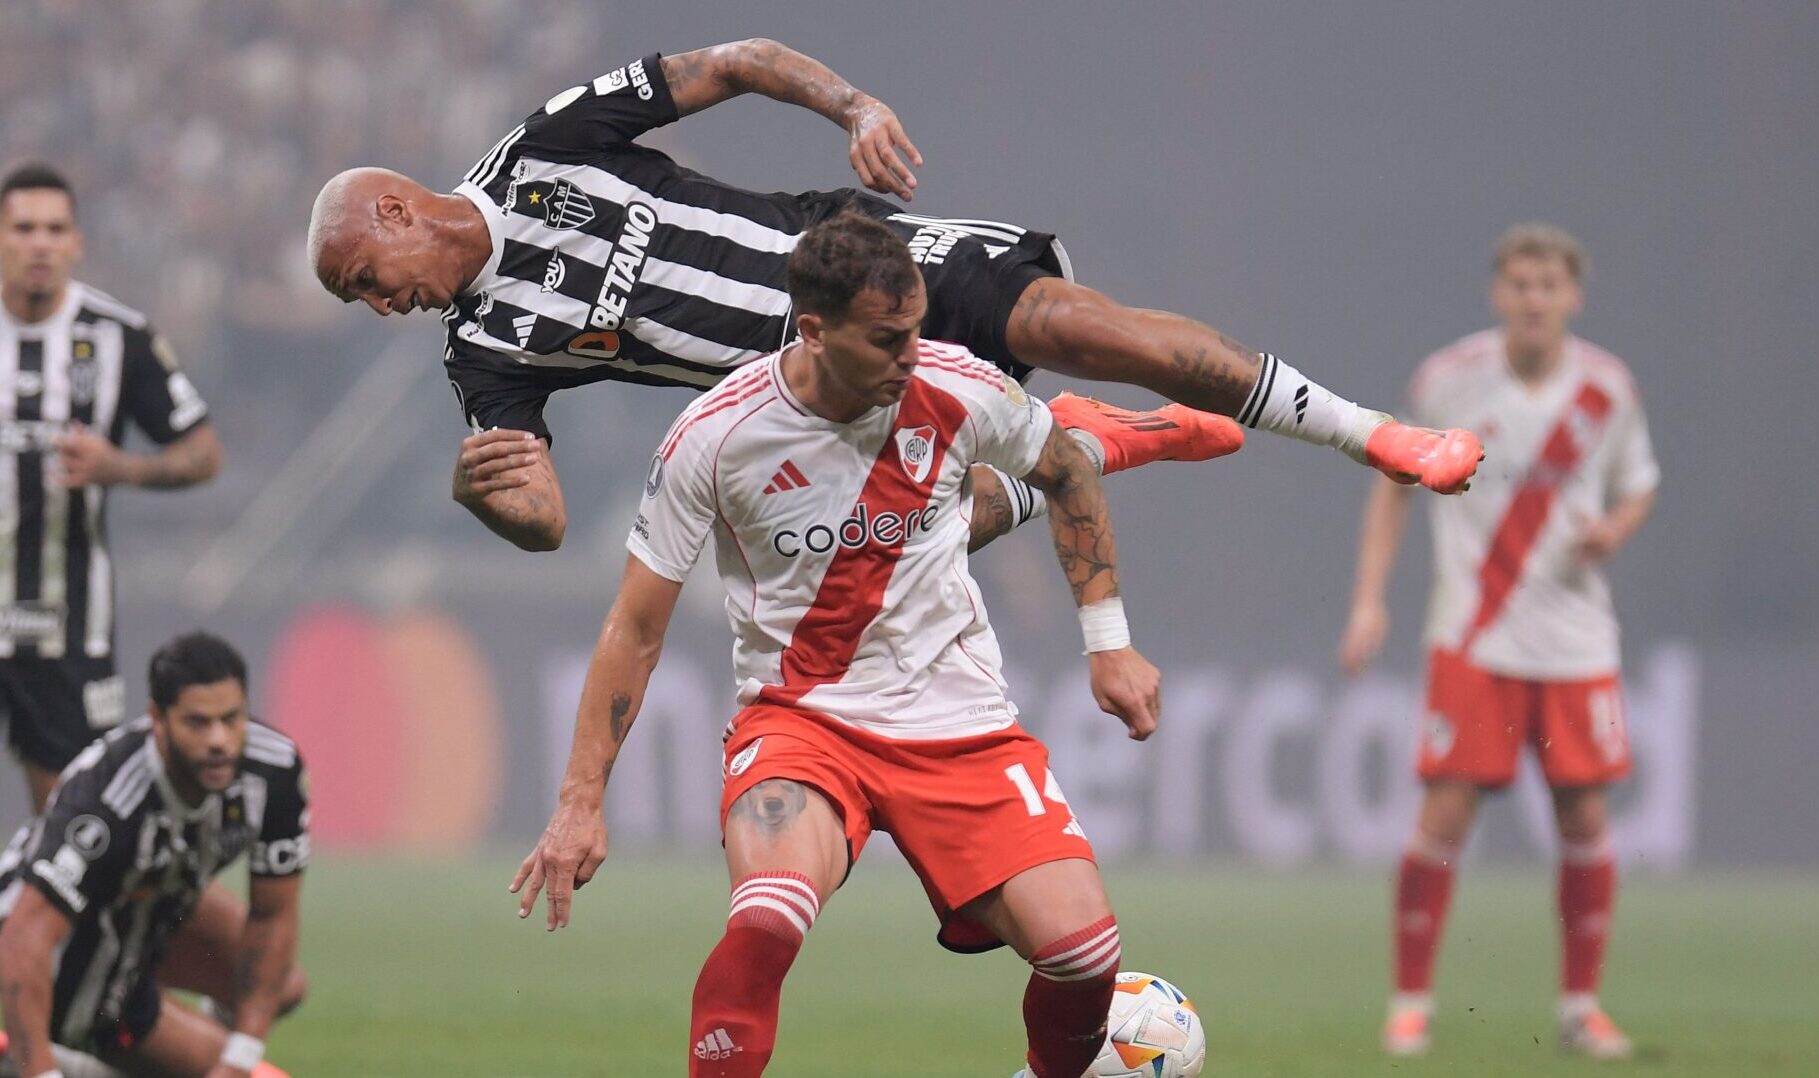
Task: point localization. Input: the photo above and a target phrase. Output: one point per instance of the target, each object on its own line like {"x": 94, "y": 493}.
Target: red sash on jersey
{"x": 1514, "y": 539}
{"x": 852, "y": 590}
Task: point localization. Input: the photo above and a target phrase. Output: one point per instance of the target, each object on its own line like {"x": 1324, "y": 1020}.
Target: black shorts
{"x": 975, "y": 272}
{"x": 139, "y": 1012}
{"x": 54, "y": 707}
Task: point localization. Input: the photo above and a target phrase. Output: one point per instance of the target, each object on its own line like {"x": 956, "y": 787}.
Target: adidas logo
{"x": 788, "y": 477}
{"x": 522, "y": 326}
{"x": 716, "y": 1045}
{"x": 1301, "y": 403}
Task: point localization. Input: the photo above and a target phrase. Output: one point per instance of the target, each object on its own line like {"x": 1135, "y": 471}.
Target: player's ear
{"x": 809, "y": 327}
{"x": 393, "y": 210}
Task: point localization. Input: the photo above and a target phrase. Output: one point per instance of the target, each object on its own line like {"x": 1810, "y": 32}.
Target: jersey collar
{"x": 62, "y": 316}
{"x": 495, "y": 231}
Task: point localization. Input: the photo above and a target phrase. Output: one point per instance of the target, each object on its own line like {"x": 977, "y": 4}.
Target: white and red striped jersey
{"x": 1508, "y": 591}
{"x": 842, "y": 546}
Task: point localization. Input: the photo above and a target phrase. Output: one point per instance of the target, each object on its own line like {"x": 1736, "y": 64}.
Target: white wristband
{"x": 1103, "y": 625}
{"x": 49, "y": 1074}
{"x": 243, "y": 1051}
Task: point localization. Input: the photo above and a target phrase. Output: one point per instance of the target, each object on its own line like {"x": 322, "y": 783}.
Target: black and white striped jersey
{"x": 611, "y": 261}
{"x": 125, "y": 859}
{"x": 96, "y": 362}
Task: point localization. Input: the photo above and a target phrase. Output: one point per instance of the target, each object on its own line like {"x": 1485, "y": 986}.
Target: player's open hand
{"x": 496, "y": 460}
{"x": 85, "y": 458}
{"x": 567, "y": 856}
{"x": 1127, "y": 686}
{"x": 1365, "y": 631}
{"x": 878, "y": 148}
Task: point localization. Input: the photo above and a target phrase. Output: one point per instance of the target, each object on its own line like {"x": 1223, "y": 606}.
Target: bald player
{"x": 570, "y": 255}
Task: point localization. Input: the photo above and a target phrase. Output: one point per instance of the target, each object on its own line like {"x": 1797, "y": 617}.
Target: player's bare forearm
{"x": 1078, "y": 518}
{"x": 531, "y": 516}
{"x": 630, "y": 643}
{"x": 267, "y": 953}
{"x": 993, "y": 515}
{"x": 1379, "y": 537}
{"x": 706, "y": 77}
{"x": 194, "y": 458}
{"x": 1628, "y": 516}
{"x": 28, "y": 947}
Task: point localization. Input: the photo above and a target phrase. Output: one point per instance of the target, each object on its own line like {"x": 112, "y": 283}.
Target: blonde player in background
{"x": 1522, "y": 638}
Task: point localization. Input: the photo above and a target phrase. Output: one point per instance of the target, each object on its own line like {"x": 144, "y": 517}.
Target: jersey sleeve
{"x": 1634, "y": 470}
{"x": 282, "y": 846}
{"x": 82, "y": 851}
{"x": 617, "y": 107}
{"x": 156, "y": 394}
{"x": 677, "y": 512}
{"x": 493, "y": 397}
{"x": 1012, "y": 425}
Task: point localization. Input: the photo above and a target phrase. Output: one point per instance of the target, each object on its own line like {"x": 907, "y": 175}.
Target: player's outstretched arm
{"x": 574, "y": 844}
{"x": 268, "y": 951}
{"x": 877, "y": 146}
{"x": 28, "y": 948}
{"x": 507, "y": 479}
{"x": 1379, "y": 537}
{"x": 1124, "y": 683}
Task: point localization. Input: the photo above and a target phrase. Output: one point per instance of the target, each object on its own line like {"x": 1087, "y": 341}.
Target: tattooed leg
{"x": 781, "y": 825}
{"x": 1063, "y": 327}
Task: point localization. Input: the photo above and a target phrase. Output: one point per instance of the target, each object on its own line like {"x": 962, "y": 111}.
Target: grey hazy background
{"x": 1320, "y": 180}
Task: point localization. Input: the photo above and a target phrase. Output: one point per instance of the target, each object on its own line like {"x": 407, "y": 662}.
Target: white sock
{"x": 1576, "y": 1005}
{"x": 1412, "y": 1001}
{"x": 1287, "y": 402}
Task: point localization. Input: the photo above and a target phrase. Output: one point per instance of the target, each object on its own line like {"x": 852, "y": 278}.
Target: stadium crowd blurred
{"x": 196, "y": 134}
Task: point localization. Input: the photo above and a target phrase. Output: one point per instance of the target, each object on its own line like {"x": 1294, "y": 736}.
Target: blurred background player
{"x": 571, "y": 255}
{"x": 867, "y": 670}
{"x": 76, "y": 366}
{"x": 92, "y": 890}
{"x": 1522, "y": 636}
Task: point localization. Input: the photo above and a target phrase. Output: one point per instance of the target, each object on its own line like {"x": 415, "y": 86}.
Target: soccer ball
{"x": 1152, "y": 1032}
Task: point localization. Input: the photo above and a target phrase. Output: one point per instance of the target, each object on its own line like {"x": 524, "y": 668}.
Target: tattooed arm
{"x": 1078, "y": 518}
{"x": 268, "y": 950}
{"x": 993, "y": 515}
{"x": 28, "y": 947}
{"x": 1124, "y": 683}
{"x": 706, "y": 77}
{"x": 574, "y": 843}
{"x": 507, "y": 479}
{"x": 85, "y": 456}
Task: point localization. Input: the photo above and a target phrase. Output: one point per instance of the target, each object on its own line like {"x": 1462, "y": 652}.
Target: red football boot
{"x": 1133, "y": 439}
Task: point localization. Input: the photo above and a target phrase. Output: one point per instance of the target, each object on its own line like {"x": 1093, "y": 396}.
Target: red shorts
{"x": 1477, "y": 722}
{"x": 968, "y": 813}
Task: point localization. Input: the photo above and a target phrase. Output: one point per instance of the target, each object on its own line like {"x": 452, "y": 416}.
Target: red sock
{"x": 733, "y": 1029}
{"x": 1069, "y": 994}
{"x": 1588, "y": 888}
{"x": 1424, "y": 887}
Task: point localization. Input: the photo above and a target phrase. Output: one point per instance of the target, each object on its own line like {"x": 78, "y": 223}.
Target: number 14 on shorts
{"x": 1051, "y": 791}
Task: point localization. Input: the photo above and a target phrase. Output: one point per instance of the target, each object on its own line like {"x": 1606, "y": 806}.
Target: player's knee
{"x": 784, "y": 904}
{"x": 1086, "y": 958}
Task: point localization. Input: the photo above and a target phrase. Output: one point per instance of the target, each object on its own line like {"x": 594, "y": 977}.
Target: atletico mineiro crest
{"x": 916, "y": 450}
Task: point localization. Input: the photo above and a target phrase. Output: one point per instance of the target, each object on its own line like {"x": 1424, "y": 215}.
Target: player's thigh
{"x": 1042, "y": 904}
{"x": 783, "y": 824}
{"x": 201, "y": 953}
{"x": 181, "y": 1044}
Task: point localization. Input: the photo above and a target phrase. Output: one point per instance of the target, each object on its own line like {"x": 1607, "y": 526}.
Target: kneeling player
{"x": 141, "y": 821}
{"x": 868, "y": 673}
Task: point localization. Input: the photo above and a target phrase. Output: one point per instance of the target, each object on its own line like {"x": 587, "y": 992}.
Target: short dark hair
{"x": 37, "y": 176}
{"x": 842, "y": 257}
{"x": 195, "y": 658}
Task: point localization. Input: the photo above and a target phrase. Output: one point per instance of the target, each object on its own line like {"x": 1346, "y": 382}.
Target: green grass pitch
{"x": 422, "y": 968}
